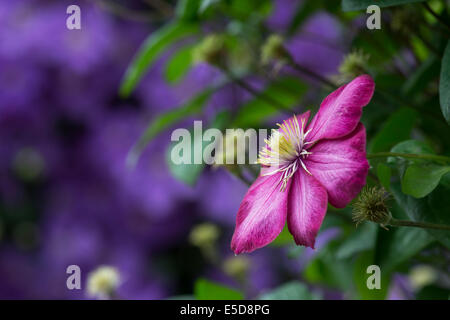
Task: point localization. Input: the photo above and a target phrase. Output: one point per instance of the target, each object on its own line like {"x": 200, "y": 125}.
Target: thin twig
{"x": 423, "y": 225}
{"x": 312, "y": 74}
{"x": 434, "y": 14}
{"x": 432, "y": 157}
{"x": 249, "y": 88}
{"x": 127, "y": 13}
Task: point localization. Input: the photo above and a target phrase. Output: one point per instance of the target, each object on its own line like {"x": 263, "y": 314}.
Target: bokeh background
{"x": 67, "y": 196}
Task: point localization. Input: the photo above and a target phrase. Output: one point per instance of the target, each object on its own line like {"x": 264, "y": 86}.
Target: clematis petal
{"x": 341, "y": 111}
{"x": 262, "y": 214}
{"x": 307, "y": 205}
{"x": 304, "y": 117}
{"x": 340, "y": 165}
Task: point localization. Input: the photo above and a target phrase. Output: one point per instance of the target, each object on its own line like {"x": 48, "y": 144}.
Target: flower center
{"x": 286, "y": 149}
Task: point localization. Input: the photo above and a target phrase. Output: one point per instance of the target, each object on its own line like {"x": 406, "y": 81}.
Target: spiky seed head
{"x": 372, "y": 206}
{"x": 354, "y": 64}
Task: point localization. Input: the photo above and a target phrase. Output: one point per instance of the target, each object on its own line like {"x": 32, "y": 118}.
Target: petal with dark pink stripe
{"x": 262, "y": 214}
{"x": 340, "y": 112}
{"x": 307, "y": 205}
{"x": 340, "y": 165}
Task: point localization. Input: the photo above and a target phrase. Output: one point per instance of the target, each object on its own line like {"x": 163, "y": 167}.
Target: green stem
{"x": 438, "y": 17}
{"x": 311, "y": 74}
{"x": 408, "y": 156}
{"x": 249, "y": 88}
{"x": 423, "y": 225}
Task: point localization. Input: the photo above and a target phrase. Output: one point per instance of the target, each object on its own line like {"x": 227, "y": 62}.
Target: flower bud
{"x": 103, "y": 282}
{"x": 273, "y": 50}
{"x": 421, "y": 276}
{"x": 227, "y": 154}
{"x": 372, "y": 206}
{"x": 236, "y": 266}
{"x": 211, "y": 50}
{"x": 204, "y": 235}
{"x": 353, "y": 65}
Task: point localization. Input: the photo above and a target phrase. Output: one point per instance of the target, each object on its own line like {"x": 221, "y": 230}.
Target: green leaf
{"x": 165, "y": 120}
{"x": 353, "y": 5}
{"x": 362, "y": 239}
{"x": 384, "y": 174}
{"x": 179, "y": 64}
{"x": 293, "y": 290}
{"x": 287, "y": 91}
{"x": 207, "y": 290}
{"x": 283, "y": 238}
{"x": 397, "y": 128}
{"x": 444, "y": 84}
{"x": 433, "y": 208}
{"x": 360, "y": 277}
{"x": 206, "y": 4}
{"x": 419, "y": 180}
{"x": 327, "y": 269}
{"x": 152, "y": 49}
{"x": 244, "y": 10}
{"x": 409, "y": 146}
{"x": 186, "y": 173}
{"x": 189, "y": 173}
{"x": 397, "y": 245}
{"x": 421, "y": 78}
{"x": 187, "y": 10}
{"x": 433, "y": 292}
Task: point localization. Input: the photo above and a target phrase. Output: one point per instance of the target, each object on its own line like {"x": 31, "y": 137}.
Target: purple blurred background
{"x": 66, "y": 195}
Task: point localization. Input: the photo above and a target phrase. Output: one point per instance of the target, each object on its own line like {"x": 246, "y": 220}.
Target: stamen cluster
{"x": 285, "y": 149}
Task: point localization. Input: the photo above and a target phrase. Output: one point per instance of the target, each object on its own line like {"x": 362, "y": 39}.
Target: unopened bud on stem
{"x": 273, "y": 50}
{"x": 211, "y": 50}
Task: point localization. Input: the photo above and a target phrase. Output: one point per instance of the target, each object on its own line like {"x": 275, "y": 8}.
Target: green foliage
{"x": 351, "y": 5}
{"x": 362, "y": 239}
{"x": 286, "y": 91}
{"x": 444, "y": 86}
{"x": 433, "y": 208}
{"x": 398, "y": 245}
{"x": 412, "y": 101}
{"x": 178, "y": 65}
{"x": 396, "y": 128}
{"x": 189, "y": 173}
{"x": 384, "y": 174}
{"x": 188, "y": 10}
{"x": 360, "y": 277}
{"x": 208, "y": 290}
{"x": 290, "y": 291}
{"x": 412, "y": 147}
{"x": 421, "y": 78}
{"x": 283, "y": 238}
{"x": 419, "y": 180}
{"x": 327, "y": 269}
{"x": 151, "y": 50}
{"x": 164, "y": 121}
{"x": 308, "y": 8}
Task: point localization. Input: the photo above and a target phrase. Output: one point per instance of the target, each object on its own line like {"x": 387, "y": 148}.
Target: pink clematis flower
{"x": 305, "y": 166}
